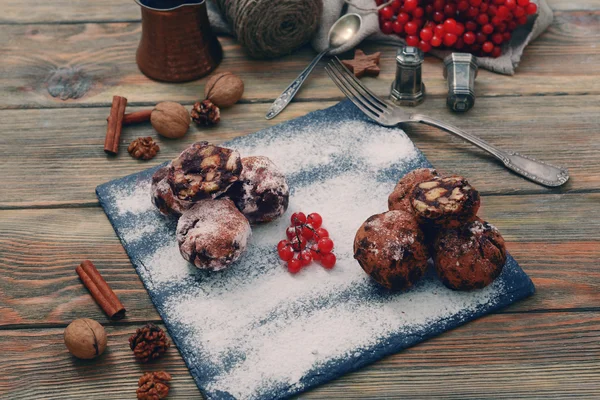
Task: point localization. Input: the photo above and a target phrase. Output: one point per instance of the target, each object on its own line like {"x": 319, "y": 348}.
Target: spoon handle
{"x": 288, "y": 94}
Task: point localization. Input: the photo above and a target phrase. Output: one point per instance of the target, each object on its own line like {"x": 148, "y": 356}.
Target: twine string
{"x": 268, "y": 29}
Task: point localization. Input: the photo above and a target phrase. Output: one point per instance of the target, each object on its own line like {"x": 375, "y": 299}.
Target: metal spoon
{"x": 340, "y": 33}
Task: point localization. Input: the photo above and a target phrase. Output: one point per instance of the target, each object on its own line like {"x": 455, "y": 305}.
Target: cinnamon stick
{"x": 100, "y": 291}
{"x": 115, "y": 123}
{"x": 137, "y": 117}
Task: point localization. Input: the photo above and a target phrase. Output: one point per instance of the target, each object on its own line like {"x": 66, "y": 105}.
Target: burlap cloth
{"x": 333, "y": 9}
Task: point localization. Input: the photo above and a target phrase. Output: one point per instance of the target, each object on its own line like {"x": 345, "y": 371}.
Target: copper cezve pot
{"x": 177, "y": 44}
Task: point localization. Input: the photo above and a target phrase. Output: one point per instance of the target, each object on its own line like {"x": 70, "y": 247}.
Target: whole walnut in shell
{"x": 224, "y": 89}
{"x": 170, "y": 119}
{"x": 85, "y": 338}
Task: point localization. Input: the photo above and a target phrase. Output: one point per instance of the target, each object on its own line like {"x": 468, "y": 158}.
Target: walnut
{"x": 143, "y": 148}
{"x": 224, "y": 89}
{"x": 206, "y": 113}
{"x": 153, "y": 386}
{"x": 85, "y": 338}
{"x": 170, "y": 119}
{"x": 148, "y": 342}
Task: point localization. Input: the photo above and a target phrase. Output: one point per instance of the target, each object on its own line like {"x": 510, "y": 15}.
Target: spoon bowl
{"x": 344, "y": 30}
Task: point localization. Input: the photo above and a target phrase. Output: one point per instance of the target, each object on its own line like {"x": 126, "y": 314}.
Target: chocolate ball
{"x": 261, "y": 193}
{"x": 213, "y": 234}
{"x": 163, "y": 197}
{"x": 390, "y": 248}
{"x": 203, "y": 171}
{"x": 470, "y": 257}
{"x": 449, "y": 202}
{"x": 399, "y": 198}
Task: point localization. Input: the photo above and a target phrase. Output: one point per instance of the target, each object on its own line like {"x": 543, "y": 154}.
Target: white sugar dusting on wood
{"x": 262, "y": 329}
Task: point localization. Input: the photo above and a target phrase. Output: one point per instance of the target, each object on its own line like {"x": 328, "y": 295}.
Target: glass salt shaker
{"x": 408, "y": 88}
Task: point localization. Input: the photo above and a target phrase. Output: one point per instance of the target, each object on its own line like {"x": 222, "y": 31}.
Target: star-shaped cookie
{"x": 363, "y": 64}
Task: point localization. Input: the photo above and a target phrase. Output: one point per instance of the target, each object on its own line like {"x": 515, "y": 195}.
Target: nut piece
{"x": 206, "y": 113}
{"x": 224, "y": 89}
{"x": 85, "y": 338}
{"x": 203, "y": 170}
{"x": 449, "y": 202}
{"x": 170, "y": 119}
{"x": 149, "y": 342}
{"x": 143, "y": 148}
{"x": 153, "y": 386}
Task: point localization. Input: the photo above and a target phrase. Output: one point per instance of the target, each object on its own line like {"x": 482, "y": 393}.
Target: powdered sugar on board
{"x": 254, "y": 331}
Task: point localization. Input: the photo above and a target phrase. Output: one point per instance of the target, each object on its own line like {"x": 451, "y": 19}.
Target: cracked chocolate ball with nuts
{"x": 470, "y": 257}
{"x": 85, "y": 338}
{"x": 390, "y": 248}
{"x": 203, "y": 170}
{"x": 213, "y": 234}
{"x": 163, "y": 197}
{"x": 399, "y": 199}
{"x": 448, "y": 202}
{"x": 262, "y": 193}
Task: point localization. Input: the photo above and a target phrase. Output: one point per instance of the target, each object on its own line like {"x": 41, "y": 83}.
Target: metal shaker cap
{"x": 410, "y": 56}
{"x": 408, "y": 88}
{"x": 460, "y": 69}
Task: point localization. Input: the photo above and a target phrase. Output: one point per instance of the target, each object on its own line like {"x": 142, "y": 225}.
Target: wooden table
{"x": 60, "y": 64}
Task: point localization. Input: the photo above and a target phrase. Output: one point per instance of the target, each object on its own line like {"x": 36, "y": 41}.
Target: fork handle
{"x": 528, "y": 167}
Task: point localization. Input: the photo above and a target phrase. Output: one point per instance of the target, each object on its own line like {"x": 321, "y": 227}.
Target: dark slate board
{"x": 256, "y": 331}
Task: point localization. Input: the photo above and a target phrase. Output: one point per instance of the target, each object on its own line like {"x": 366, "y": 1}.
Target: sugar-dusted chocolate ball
{"x": 470, "y": 257}
{"x": 85, "y": 338}
{"x": 390, "y": 248}
{"x": 261, "y": 193}
{"x": 213, "y": 234}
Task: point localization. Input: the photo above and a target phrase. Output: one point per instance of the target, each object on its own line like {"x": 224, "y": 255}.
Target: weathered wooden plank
{"x": 551, "y": 355}
{"x": 57, "y": 11}
{"x": 62, "y": 65}
{"x": 556, "y": 238}
{"x": 52, "y": 157}
{"x": 31, "y": 11}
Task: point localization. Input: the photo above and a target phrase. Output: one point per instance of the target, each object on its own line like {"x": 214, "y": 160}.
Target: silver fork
{"x": 388, "y": 114}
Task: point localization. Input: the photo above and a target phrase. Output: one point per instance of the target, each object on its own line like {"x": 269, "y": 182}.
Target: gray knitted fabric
{"x": 333, "y": 9}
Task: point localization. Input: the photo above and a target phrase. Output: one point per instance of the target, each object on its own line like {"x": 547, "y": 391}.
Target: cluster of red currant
{"x": 306, "y": 241}
{"x": 475, "y": 26}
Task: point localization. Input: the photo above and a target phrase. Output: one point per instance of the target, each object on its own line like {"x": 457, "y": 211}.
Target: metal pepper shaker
{"x": 460, "y": 70}
{"x": 408, "y": 88}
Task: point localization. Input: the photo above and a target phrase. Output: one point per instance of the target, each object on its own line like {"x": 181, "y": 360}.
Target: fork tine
{"x": 349, "y": 80}
{"x": 358, "y": 85}
{"x": 365, "y": 108}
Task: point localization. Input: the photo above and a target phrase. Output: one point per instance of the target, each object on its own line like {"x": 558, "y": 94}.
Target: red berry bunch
{"x": 307, "y": 241}
{"x": 475, "y": 26}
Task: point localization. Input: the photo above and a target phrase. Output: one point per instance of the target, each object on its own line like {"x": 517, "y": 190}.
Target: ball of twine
{"x": 268, "y": 28}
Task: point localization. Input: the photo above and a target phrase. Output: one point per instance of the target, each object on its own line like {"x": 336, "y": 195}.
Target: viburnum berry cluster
{"x": 307, "y": 241}
{"x": 479, "y": 27}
